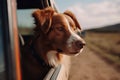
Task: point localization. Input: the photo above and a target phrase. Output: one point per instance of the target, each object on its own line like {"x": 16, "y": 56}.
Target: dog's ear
{"x": 43, "y": 19}
{"x": 70, "y": 14}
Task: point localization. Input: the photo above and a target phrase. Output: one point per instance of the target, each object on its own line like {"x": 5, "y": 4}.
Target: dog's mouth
{"x": 70, "y": 53}
{"x": 59, "y": 50}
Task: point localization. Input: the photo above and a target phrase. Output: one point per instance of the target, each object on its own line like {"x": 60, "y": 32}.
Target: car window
{"x": 25, "y": 21}
{"x": 2, "y": 63}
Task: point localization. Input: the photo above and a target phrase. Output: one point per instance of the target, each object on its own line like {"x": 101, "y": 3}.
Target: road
{"x": 89, "y": 66}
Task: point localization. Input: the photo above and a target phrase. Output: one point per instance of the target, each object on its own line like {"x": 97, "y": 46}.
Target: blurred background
{"x": 100, "y": 23}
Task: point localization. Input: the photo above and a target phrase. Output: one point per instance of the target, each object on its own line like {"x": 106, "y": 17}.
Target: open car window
{"x": 25, "y": 21}
{"x": 26, "y": 25}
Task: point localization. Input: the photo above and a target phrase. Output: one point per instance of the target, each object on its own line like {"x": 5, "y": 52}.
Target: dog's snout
{"x": 79, "y": 44}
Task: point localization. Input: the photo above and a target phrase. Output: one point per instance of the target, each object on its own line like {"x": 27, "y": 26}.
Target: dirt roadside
{"x": 89, "y": 66}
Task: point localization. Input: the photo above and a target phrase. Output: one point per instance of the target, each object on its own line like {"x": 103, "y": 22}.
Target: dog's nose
{"x": 80, "y": 44}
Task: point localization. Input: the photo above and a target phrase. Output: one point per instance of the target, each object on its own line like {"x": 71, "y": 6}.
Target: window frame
{"x": 10, "y": 38}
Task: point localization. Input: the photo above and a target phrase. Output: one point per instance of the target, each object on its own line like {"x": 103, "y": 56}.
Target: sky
{"x": 92, "y": 13}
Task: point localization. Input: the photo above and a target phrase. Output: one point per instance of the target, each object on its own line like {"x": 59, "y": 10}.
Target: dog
{"x": 55, "y": 35}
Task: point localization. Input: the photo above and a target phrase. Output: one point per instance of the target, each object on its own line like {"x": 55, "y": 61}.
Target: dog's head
{"x": 61, "y": 30}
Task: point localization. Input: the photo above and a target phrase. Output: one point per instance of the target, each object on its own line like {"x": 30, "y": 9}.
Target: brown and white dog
{"x": 55, "y": 36}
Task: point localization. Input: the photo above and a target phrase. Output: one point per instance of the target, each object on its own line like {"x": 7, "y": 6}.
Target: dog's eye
{"x": 60, "y": 29}
{"x": 78, "y": 32}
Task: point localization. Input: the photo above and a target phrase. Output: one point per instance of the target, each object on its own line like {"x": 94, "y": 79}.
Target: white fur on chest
{"x": 52, "y": 58}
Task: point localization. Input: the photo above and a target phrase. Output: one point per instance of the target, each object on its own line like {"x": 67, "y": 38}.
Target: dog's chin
{"x": 74, "y": 53}
{"x": 71, "y": 52}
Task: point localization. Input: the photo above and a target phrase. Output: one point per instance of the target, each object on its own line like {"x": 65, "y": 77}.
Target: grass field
{"x": 106, "y": 45}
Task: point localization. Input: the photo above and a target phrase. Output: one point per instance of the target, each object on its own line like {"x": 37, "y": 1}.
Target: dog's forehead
{"x": 63, "y": 19}
{"x": 59, "y": 18}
